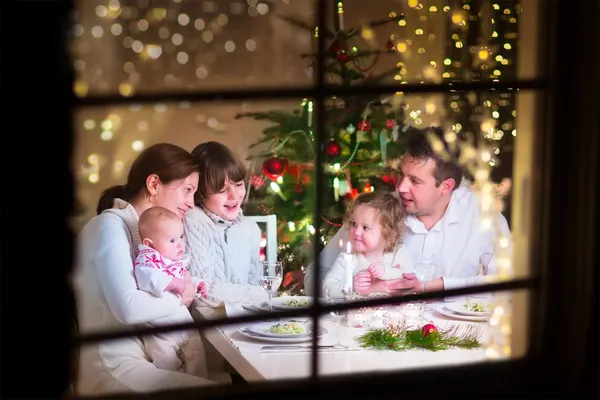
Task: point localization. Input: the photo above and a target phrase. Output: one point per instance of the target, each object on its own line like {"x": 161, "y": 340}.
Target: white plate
{"x": 279, "y": 302}
{"x": 459, "y": 308}
{"x": 451, "y": 314}
{"x": 263, "y": 330}
{"x": 306, "y": 338}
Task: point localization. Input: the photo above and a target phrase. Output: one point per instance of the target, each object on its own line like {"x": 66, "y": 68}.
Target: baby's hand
{"x": 201, "y": 289}
{"x": 376, "y": 270}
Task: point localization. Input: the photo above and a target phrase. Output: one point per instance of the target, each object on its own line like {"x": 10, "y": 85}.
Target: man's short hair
{"x": 419, "y": 147}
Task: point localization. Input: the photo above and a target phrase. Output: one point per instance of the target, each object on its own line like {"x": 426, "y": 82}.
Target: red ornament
{"x": 298, "y": 188}
{"x": 364, "y": 125}
{"x": 390, "y": 123}
{"x": 334, "y": 48}
{"x": 274, "y": 167}
{"x": 390, "y": 45}
{"x": 342, "y": 56}
{"x": 428, "y": 329}
{"x": 333, "y": 149}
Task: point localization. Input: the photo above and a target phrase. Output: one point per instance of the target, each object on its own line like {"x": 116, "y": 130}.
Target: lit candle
{"x": 348, "y": 263}
{"x": 340, "y": 13}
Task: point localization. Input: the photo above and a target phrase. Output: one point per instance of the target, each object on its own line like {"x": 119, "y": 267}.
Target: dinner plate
{"x": 283, "y": 303}
{"x": 263, "y": 330}
{"x": 459, "y": 307}
{"x": 306, "y": 338}
{"x": 451, "y": 314}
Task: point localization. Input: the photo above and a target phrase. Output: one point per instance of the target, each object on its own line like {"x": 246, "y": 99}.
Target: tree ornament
{"x": 342, "y": 56}
{"x": 390, "y": 123}
{"x": 298, "y": 188}
{"x": 351, "y": 129}
{"x": 364, "y": 125}
{"x": 335, "y": 47}
{"x": 333, "y": 149}
{"x": 428, "y": 329}
{"x": 274, "y": 167}
{"x": 390, "y": 46}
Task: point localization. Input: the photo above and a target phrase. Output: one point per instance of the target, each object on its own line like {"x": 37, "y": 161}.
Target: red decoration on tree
{"x": 364, "y": 125}
{"x": 274, "y": 167}
{"x": 342, "y": 56}
{"x": 298, "y": 188}
{"x": 428, "y": 329}
{"x": 333, "y": 149}
{"x": 334, "y": 48}
{"x": 390, "y": 45}
{"x": 390, "y": 123}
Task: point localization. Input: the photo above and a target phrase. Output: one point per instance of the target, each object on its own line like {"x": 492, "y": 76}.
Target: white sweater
{"x": 226, "y": 254}
{"x": 335, "y": 278}
{"x": 108, "y": 299}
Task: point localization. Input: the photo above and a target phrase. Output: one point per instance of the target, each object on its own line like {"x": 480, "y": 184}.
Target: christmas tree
{"x": 363, "y": 136}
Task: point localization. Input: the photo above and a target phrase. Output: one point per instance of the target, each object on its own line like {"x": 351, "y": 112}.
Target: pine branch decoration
{"x": 391, "y": 339}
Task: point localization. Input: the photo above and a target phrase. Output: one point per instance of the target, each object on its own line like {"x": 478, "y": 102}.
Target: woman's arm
{"x": 114, "y": 265}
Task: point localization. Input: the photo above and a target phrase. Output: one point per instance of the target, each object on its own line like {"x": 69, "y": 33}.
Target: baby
{"x": 160, "y": 267}
{"x": 376, "y": 222}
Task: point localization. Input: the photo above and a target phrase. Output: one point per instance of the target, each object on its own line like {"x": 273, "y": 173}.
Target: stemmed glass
{"x": 272, "y": 276}
{"x": 424, "y": 270}
{"x": 337, "y": 316}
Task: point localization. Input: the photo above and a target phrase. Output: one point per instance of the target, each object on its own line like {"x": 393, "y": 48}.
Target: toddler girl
{"x": 376, "y": 222}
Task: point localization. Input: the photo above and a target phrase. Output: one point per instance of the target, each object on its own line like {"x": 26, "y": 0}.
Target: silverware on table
{"x": 296, "y": 347}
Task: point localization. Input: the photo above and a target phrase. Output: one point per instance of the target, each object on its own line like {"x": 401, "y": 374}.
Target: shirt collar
{"x": 220, "y": 221}
{"x": 453, "y": 214}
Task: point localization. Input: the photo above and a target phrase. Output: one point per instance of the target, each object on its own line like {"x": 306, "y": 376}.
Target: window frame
{"x": 545, "y": 245}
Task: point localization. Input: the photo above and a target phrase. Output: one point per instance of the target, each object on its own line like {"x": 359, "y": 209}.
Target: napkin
{"x": 235, "y": 309}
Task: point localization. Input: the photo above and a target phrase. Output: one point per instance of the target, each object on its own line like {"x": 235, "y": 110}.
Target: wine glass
{"x": 337, "y": 316}
{"x": 272, "y": 276}
{"x": 424, "y": 270}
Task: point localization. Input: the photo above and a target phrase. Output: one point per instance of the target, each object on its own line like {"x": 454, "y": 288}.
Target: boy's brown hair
{"x": 216, "y": 162}
{"x": 389, "y": 214}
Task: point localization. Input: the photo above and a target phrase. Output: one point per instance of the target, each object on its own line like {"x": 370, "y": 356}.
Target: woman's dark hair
{"x": 171, "y": 163}
{"x": 216, "y": 163}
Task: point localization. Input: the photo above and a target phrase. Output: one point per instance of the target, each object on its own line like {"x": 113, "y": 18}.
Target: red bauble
{"x": 428, "y": 329}
{"x": 390, "y": 45}
{"x": 390, "y": 123}
{"x": 333, "y": 149}
{"x": 274, "y": 167}
{"x": 342, "y": 57}
{"x": 364, "y": 125}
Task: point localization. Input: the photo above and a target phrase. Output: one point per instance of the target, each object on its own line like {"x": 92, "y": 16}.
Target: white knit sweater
{"x": 226, "y": 255}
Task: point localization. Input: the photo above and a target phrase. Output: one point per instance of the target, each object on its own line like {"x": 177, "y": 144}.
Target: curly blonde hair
{"x": 389, "y": 214}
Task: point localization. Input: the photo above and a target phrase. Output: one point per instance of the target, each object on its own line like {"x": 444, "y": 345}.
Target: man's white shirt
{"x": 455, "y": 244}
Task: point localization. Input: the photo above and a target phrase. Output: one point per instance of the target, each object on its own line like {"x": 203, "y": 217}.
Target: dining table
{"x": 262, "y": 360}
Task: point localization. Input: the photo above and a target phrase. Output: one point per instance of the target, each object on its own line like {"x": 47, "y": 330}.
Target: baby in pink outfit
{"x": 160, "y": 268}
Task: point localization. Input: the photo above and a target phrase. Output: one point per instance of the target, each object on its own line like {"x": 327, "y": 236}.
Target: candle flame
{"x": 349, "y": 247}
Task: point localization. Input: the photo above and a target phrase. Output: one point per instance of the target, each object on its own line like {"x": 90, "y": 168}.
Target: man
{"x": 442, "y": 225}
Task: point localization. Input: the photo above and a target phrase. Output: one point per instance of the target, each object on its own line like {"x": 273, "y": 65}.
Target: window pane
{"x": 129, "y": 46}
{"x": 433, "y": 41}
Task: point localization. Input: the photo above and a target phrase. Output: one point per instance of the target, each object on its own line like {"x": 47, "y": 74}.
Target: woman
{"x": 108, "y": 298}
{"x": 224, "y": 246}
